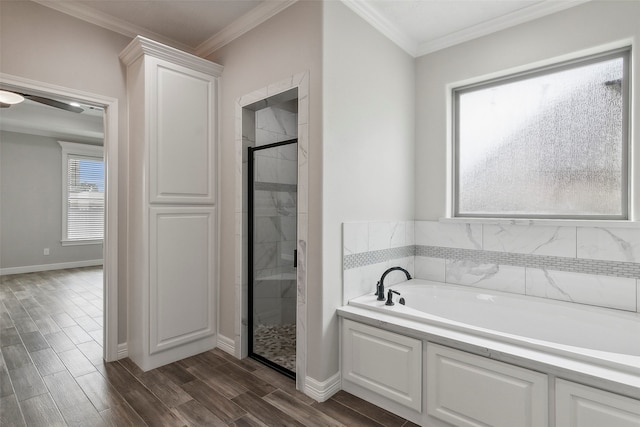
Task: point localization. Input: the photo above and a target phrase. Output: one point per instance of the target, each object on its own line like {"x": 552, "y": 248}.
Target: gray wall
{"x": 31, "y": 204}
{"x": 368, "y": 145}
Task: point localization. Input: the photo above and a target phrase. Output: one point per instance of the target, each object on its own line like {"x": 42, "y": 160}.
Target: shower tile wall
{"x": 587, "y": 265}
{"x": 275, "y": 217}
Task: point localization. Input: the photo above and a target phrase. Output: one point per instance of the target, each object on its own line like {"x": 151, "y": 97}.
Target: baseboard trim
{"x": 322, "y": 390}
{"x": 47, "y": 267}
{"x": 226, "y": 344}
{"x": 123, "y": 351}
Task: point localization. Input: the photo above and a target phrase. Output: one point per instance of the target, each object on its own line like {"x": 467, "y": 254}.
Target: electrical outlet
{"x": 46, "y": 251}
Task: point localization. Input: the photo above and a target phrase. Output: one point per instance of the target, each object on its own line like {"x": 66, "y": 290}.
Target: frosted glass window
{"x": 548, "y": 144}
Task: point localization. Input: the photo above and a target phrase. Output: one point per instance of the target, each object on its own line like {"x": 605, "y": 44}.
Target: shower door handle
{"x": 295, "y": 258}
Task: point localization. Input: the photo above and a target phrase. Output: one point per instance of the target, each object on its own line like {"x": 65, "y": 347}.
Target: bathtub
{"x": 595, "y": 341}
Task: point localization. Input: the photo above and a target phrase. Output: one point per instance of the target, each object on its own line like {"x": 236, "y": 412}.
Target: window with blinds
{"x": 83, "y": 193}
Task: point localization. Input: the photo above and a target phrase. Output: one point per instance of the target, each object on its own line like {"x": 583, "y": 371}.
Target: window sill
{"x": 81, "y": 242}
{"x": 544, "y": 222}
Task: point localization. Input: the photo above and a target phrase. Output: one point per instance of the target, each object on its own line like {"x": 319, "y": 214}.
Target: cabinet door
{"x": 468, "y": 390}
{"x": 581, "y": 406}
{"x": 181, "y": 134}
{"x": 383, "y": 362}
{"x": 181, "y": 292}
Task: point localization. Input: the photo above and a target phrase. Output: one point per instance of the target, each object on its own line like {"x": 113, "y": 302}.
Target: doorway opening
{"x": 104, "y": 111}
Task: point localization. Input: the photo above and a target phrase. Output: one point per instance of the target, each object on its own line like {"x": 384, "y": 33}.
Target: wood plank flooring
{"x": 52, "y": 372}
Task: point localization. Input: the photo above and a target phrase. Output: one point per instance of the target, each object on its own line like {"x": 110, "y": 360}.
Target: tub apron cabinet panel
{"x": 581, "y": 406}
{"x": 382, "y": 362}
{"x": 468, "y": 390}
{"x": 172, "y": 100}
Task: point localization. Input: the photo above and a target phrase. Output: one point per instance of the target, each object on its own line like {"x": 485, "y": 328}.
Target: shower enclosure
{"x": 272, "y": 202}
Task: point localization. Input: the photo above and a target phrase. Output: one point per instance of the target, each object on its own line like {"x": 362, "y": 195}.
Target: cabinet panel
{"x": 182, "y": 154}
{"x": 469, "y": 390}
{"x": 383, "y": 362}
{"x": 581, "y": 406}
{"x": 181, "y": 290}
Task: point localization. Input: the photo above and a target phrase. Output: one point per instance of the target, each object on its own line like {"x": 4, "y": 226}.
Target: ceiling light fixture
{"x": 10, "y": 97}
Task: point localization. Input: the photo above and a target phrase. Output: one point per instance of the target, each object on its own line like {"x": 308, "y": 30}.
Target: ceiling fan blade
{"x": 54, "y": 103}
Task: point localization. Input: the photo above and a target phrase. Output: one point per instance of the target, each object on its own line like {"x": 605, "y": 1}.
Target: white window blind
{"x": 85, "y": 198}
{"x": 83, "y": 193}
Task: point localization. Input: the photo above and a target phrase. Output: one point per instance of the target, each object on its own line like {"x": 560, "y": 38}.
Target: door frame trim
{"x": 300, "y": 82}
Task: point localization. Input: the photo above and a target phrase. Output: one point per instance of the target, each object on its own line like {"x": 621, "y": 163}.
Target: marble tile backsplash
{"x": 369, "y": 248}
{"x": 588, "y": 265}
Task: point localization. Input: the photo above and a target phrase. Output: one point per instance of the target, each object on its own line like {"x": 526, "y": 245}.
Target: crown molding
{"x": 379, "y": 22}
{"x": 242, "y": 25}
{"x": 416, "y": 49}
{"x": 109, "y": 22}
{"x": 512, "y": 19}
{"x": 143, "y": 46}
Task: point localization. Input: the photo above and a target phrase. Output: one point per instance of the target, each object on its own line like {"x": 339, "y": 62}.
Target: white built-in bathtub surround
{"x": 246, "y": 137}
{"x": 587, "y": 265}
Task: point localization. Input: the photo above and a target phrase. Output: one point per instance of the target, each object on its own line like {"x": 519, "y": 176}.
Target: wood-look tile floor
{"x": 52, "y": 372}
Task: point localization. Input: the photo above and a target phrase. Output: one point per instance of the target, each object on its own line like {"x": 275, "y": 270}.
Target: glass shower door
{"x": 273, "y": 173}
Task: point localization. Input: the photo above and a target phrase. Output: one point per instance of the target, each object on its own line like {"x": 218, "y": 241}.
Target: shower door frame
{"x": 250, "y": 257}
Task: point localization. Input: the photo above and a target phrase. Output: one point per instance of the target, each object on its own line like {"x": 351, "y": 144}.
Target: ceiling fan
{"x": 9, "y": 98}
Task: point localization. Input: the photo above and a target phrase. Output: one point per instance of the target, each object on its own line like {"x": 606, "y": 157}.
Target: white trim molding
{"x": 416, "y": 48}
{"x": 242, "y": 25}
{"x": 518, "y": 17}
{"x": 48, "y": 267}
{"x": 143, "y": 46}
{"x": 323, "y": 390}
{"x": 104, "y": 20}
{"x": 226, "y": 344}
{"x": 380, "y": 23}
{"x": 123, "y": 351}
{"x": 237, "y": 28}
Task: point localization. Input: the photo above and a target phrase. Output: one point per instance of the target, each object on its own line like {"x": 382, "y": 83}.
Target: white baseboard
{"x": 47, "y": 267}
{"x": 226, "y": 344}
{"x": 322, "y": 390}
{"x": 123, "y": 351}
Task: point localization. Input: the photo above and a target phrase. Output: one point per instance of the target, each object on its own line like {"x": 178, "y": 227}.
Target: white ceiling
{"x": 202, "y": 26}
{"x": 37, "y": 119}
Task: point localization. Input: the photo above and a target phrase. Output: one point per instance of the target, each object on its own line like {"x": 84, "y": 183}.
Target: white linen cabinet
{"x": 172, "y": 203}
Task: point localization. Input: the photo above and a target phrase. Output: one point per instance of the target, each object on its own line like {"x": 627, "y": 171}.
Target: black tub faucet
{"x": 380, "y": 285}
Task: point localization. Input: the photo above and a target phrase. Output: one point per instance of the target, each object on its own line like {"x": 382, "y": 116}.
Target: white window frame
{"x": 584, "y": 57}
{"x": 73, "y": 149}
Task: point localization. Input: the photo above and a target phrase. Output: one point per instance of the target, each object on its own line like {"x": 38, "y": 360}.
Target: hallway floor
{"x": 52, "y": 372}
